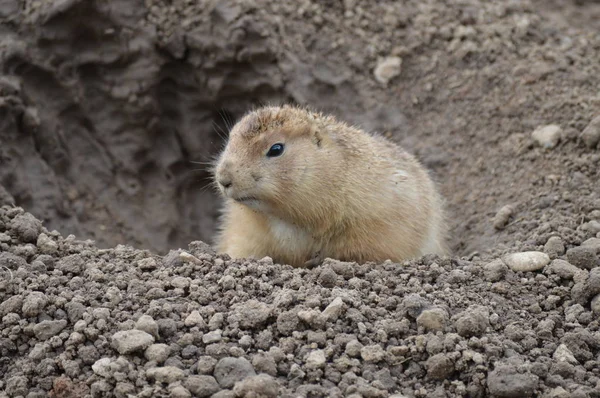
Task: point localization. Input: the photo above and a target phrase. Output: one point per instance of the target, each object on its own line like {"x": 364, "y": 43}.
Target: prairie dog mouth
{"x": 244, "y": 199}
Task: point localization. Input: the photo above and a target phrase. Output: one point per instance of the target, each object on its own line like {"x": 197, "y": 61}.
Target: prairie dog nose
{"x": 225, "y": 182}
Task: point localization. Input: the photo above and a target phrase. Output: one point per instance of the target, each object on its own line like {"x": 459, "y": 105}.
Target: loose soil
{"x": 106, "y": 106}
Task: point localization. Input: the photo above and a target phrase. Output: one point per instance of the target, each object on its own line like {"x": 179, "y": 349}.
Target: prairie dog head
{"x": 272, "y": 156}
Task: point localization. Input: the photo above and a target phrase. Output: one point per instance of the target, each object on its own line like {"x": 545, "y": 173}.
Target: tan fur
{"x": 336, "y": 191}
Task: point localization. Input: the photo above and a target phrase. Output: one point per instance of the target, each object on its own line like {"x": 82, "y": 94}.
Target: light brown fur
{"x": 335, "y": 192}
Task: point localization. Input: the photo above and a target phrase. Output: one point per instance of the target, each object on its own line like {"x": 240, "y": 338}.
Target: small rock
{"x": 557, "y": 392}
{"x": 495, "y": 270}
{"x": 27, "y": 227}
{"x": 11, "y": 304}
{"x": 506, "y": 382}
{"x": 147, "y": 324}
{"x": 503, "y": 216}
{"x": 16, "y": 386}
{"x": 439, "y": 367}
{"x": 264, "y": 363}
{"x": 158, "y": 353}
{"x": 205, "y": 365}
{"x": 547, "y": 136}
{"x": 592, "y": 243}
{"x": 180, "y": 392}
{"x": 591, "y": 226}
{"x": 227, "y": 282}
{"x": 387, "y": 68}
{"x": 591, "y": 134}
{"x": 102, "y": 367}
{"x": 202, "y": 386}
{"x": 527, "y": 261}
{"x": 46, "y": 245}
{"x": 327, "y": 277}
{"x": 147, "y": 264}
{"x": 251, "y": 314}
{"x": 433, "y": 319}
{"x": 315, "y": 359}
{"x": 229, "y": 371}
{"x": 71, "y": 264}
{"x": 583, "y": 257}
{"x": 128, "y": 341}
{"x": 34, "y": 303}
{"x": 212, "y": 337}
{"x": 372, "y": 353}
{"x": 596, "y": 305}
{"x": 353, "y": 348}
{"x": 333, "y": 311}
{"x": 554, "y": 247}
{"x": 562, "y": 353}
{"x": 165, "y": 374}
{"x": 262, "y": 385}
{"x": 563, "y": 269}
{"x": 47, "y": 329}
{"x": 194, "y": 319}
{"x": 473, "y": 321}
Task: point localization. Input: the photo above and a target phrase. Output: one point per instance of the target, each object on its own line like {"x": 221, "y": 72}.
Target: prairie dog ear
{"x": 317, "y": 138}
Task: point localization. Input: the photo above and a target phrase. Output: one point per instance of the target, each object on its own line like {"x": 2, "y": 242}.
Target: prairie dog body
{"x": 300, "y": 185}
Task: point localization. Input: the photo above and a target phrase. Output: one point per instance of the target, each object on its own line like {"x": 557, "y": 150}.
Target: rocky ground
{"x": 105, "y": 105}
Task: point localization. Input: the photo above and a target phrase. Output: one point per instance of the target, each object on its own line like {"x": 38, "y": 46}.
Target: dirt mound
{"x": 104, "y": 107}
{"x": 79, "y": 320}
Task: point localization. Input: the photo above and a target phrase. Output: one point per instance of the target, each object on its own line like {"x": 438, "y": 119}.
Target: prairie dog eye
{"x": 275, "y": 150}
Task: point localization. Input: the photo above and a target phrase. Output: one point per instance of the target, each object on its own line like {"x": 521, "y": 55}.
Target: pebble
{"x": 46, "y": 245}
{"x": 495, "y": 270}
{"x": 353, "y": 348}
{"x": 71, "y": 264}
{"x": 262, "y": 385}
{"x": 27, "y": 227}
{"x": 180, "y": 392}
{"x": 158, "y": 353}
{"x": 547, "y": 136}
{"x": 34, "y": 303}
{"x": 229, "y": 371}
{"x": 473, "y": 321}
{"x": 333, "y": 311}
{"x": 433, "y": 319}
{"x": 439, "y": 366}
{"x": 129, "y": 341}
{"x": 372, "y": 353}
{"x": 165, "y": 374}
{"x": 504, "y": 381}
{"x": 147, "y": 324}
{"x": 554, "y": 246}
{"x": 592, "y": 243}
{"x": 563, "y": 269}
{"x": 102, "y": 367}
{"x": 202, "y": 386}
{"x": 526, "y": 261}
{"x": 194, "y": 319}
{"x": 387, "y": 68}
{"x": 315, "y": 359}
{"x": 562, "y": 353}
{"x": 503, "y": 216}
{"x": 591, "y": 134}
{"x": 583, "y": 257}
{"x": 147, "y": 264}
{"x": 212, "y": 337}
{"x": 251, "y": 314}
{"x": 47, "y": 329}
{"x": 595, "y": 304}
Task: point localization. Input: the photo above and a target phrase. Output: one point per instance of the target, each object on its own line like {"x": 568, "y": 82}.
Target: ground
{"x": 106, "y": 106}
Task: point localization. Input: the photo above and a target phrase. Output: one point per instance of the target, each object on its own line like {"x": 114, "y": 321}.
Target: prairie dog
{"x": 301, "y": 186}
